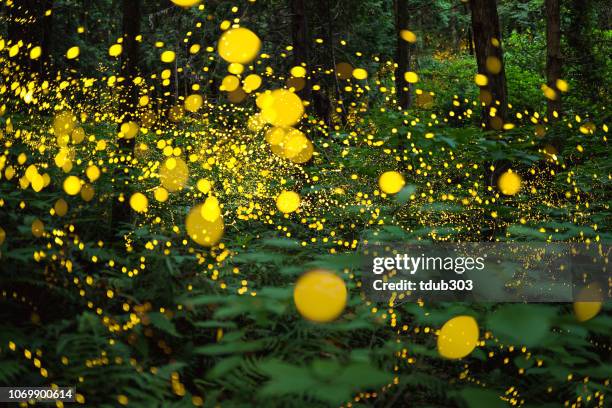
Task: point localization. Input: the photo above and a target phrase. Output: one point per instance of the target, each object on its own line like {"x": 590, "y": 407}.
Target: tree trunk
{"x": 322, "y": 100}
{"x": 579, "y": 40}
{"x": 469, "y": 38}
{"x": 299, "y": 34}
{"x": 402, "y": 54}
{"x": 553, "y": 55}
{"x": 127, "y": 105}
{"x": 490, "y": 59}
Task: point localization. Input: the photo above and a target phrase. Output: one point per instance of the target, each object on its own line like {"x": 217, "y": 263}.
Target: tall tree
{"x": 490, "y": 58}
{"x": 128, "y": 102}
{"x": 299, "y": 34}
{"x": 553, "y": 54}
{"x": 402, "y": 18}
{"x": 579, "y": 38}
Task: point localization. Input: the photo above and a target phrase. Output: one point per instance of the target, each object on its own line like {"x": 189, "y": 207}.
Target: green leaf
{"x": 521, "y": 324}
{"x": 161, "y": 322}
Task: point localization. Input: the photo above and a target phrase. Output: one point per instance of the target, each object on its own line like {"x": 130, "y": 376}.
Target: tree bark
{"x": 299, "y": 34}
{"x": 579, "y": 40}
{"x": 469, "y": 37}
{"x": 402, "y": 56}
{"x": 553, "y": 55}
{"x": 487, "y": 41}
{"x": 127, "y": 105}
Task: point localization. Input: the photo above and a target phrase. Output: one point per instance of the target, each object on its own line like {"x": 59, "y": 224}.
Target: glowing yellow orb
{"x": 92, "y": 173}
{"x": 72, "y": 185}
{"x": 61, "y": 207}
{"x": 205, "y": 233}
{"x": 391, "y": 182}
{"x": 360, "y": 73}
{"x": 411, "y": 77}
{"x": 509, "y": 183}
{"x": 204, "y": 185}
{"x": 173, "y": 174}
{"x": 186, "y": 3}
{"x": 87, "y": 192}
{"x": 115, "y": 50}
{"x": 251, "y": 83}
{"x": 38, "y": 228}
{"x": 458, "y": 337}
{"x": 161, "y": 194}
{"x": 288, "y": 202}
{"x": 37, "y": 182}
{"x": 230, "y": 83}
{"x": 64, "y": 123}
{"x": 35, "y": 52}
{"x": 281, "y": 108}
{"x": 73, "y": 52}
{"x": 193, "y": 103}
{"x": 588, "y": 303}
{"x": 78, "y": 135}
{"x": 129, "y": 130}
{"x": 320, "y": 296}
{"x": 481, "y": 80}
{"x": 298, "y": 72}
{"x": 211, "y": 209}
{"x": 408, "y": 36}
{"x": 296, "y": 146}
{"x": 493, "y": 65}
{"x": 168, "y": 56}
{"x": 139, "y": 202}
{"x": 239, "y": 45}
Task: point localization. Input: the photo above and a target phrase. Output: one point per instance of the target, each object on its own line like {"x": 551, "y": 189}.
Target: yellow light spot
{"x": 211, "y": 210}
{"x": 193, "y": 103}
{"x": 73, "y": 53}
{"x": 168, "y": 56}
{"x": 493, "y": 65}
{"x": 408, "y": 36}
{"x": 391, "y": 182}
{"x": 320, "y": 296}
{"x": 205, "y": 233}
{"x": 186, "y": 3}
{"x": 115, "y": 50}
{"x": 288, "y": 202}
{"x": 360, "y": 73}
{"x": 204, "y": 185}
{"x": 588, "y": 303}
{"x": 281, "y": 108}
{"x": 411, "y": 77}
{"x": 139, "y": 202}
{"x": 35, "y": 52}
{"x": 298, "y": 72}
{"x": 239, "y": 45}
{"x": 38, "y": 228}
{"x": 72, "y": 185}
{"x": 562, "y": 85}
{"x": 61, "y": 207}
{"x": 252, "y": 83}
{"x": 481, "y": 80}
{"x": 161, "y": 194}
{"x": 509, "y": 183}
{"x": 230, "y": 83}
{"x": 458, "y": 337}
{"x": 174, "y": 174}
